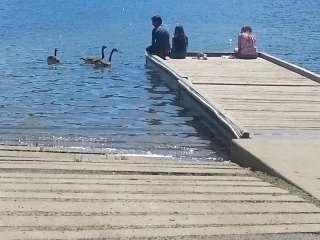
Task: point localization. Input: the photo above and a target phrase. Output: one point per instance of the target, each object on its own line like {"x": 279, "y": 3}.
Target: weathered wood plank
{"x": 131, "y": 182}
{"x": 153, "y": 220}
{"x": 154, "y": 232}
{"x": 148, "y": 177}
{"x": 54, "y": 167}
{"x": 80, "y": 162}
{"x": 161, "y": 207}
{"x": 136, "y": 188}
{"x": 145, "y": 197}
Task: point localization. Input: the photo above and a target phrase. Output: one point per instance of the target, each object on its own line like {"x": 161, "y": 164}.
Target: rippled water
{"x": 126, "y": 108}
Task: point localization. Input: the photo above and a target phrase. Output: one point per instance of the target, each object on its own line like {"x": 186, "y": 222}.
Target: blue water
{"x": 127, "y": 108}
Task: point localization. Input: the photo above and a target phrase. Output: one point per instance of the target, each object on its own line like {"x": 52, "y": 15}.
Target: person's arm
{"x": 150, "y": 48}
{"x": 254, "y": 41}
{"x": 187, "y": 42}
{"x": 173, "y": 44}
{"x": 239, "y": 43}
{"x": 164, "y": 41}
{"x": 153, "y": 37}
{"x": 157, "y": 40}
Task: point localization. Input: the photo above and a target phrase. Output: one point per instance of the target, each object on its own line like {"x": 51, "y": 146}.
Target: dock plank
{"x": 156, "y": 232}
{"x": 119, "y": 168}
{"x": 169, "y": 220}
{"x": 149, "y": 197}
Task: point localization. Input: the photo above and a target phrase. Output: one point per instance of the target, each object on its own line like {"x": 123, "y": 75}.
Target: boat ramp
{"x": 49, "y": 193}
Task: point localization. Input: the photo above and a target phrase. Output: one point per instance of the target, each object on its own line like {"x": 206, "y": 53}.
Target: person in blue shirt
{"x": 179, "y": 43}
{"x": 160, "y": 39}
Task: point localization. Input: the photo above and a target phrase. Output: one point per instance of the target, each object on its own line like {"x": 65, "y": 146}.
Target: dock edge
{"x": 212, "y": 112}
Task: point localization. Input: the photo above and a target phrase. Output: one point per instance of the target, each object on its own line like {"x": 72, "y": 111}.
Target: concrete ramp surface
{"x": 50, "y": 195}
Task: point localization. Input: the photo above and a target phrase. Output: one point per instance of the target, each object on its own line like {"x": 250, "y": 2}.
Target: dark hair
{"x": 178, "y": 30}
{"x": 179, "y": 40}
{"x": 157, "y": 19}
{"x": 248, "y": 29}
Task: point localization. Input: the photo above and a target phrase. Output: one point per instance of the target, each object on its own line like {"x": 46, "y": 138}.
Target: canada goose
{"x": 102, "y": 62}
{"x": 53, "y": 59}
{"x": 91, "y": 60}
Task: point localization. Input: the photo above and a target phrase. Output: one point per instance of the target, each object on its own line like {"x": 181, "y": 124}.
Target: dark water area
{"x": 127, "y": 108}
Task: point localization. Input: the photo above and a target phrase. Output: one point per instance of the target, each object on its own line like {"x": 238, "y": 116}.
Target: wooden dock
{"x": 265, "y": 97}
{"x": 52, "y": 195}
{"x": 271, "y": 103}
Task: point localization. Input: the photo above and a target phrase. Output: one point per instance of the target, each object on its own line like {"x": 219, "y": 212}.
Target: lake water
{"x": 127, "y": 108}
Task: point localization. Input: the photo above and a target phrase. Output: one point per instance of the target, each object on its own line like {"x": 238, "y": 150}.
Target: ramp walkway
{"x": 72, "y": 195}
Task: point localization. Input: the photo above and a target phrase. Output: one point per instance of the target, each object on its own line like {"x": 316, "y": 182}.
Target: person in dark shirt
{"x": 179, "y": 43}
{"x": 160, "y": 39}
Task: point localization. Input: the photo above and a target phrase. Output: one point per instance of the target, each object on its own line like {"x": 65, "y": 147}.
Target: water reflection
{"x": 73, "y": 106}
{"x": 195, "y": 141}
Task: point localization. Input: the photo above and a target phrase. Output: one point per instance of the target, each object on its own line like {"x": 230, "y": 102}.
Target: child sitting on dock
{"x": 179, "y": 43}
{"x": 246, "y": 44}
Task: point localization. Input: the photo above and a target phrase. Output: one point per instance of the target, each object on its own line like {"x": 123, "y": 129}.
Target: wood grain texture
{"x": 260, "y": 96}
{"x": 64, "y": 204}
